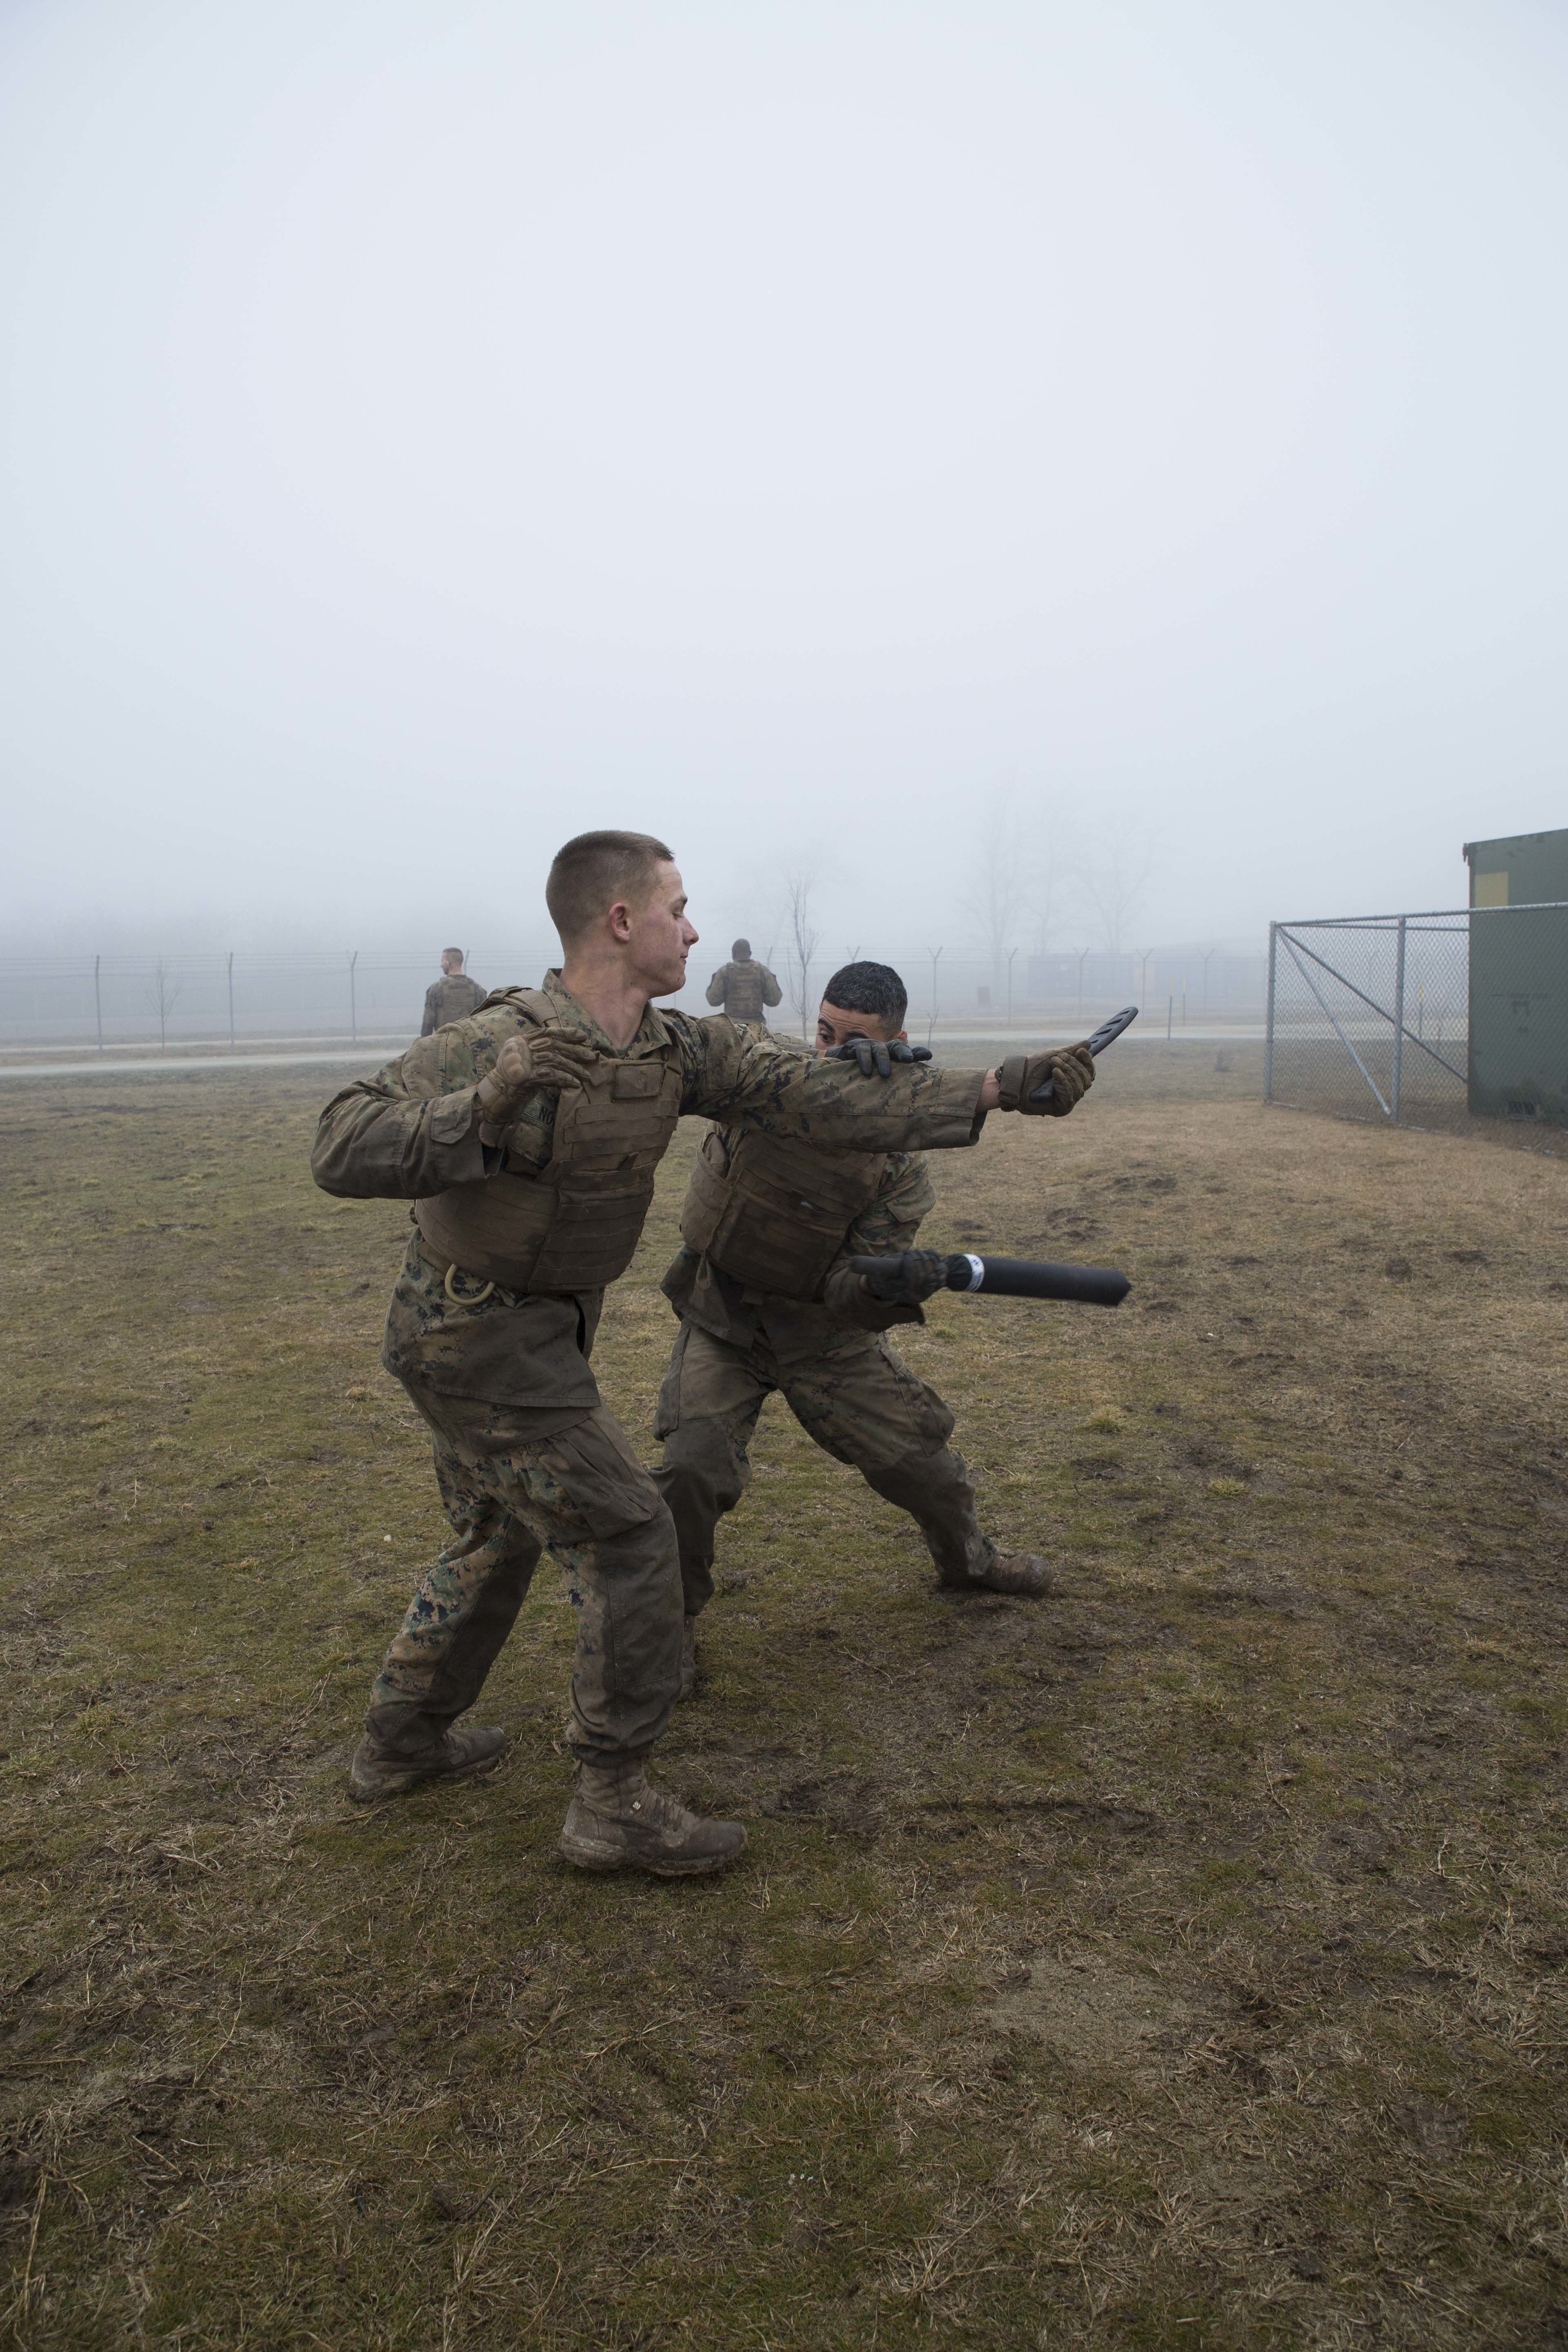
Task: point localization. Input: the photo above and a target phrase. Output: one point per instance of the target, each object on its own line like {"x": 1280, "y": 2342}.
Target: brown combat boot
{"x": 1020, "y": 1573}
{"x": 379, "y": 1771}
{"x": 616, "y": 1821}
{"x": 687, "y": 1659}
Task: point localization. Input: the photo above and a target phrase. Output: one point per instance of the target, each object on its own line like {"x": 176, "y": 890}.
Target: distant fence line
{"x": 378, "y": 994}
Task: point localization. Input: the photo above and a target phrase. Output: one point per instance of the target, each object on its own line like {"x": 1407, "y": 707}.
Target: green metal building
{"x": 1519, "y": 976}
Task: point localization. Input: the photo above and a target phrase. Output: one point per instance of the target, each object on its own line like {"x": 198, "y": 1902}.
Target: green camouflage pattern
{"x": 853, "y": 1397}
{"x": 526, "y": 1456}
{"x": 510, "y": 1495}
{"x": 797, "y": 1329}
{"x": 413, "y": 1129}
{"x": 510, "y": 1348}
{"x": 743, "y": 988}
{"x": 451, "y": 998}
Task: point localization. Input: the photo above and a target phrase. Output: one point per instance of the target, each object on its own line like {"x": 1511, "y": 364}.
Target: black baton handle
{"x": 1036, "y": 1278}
{"x": 1024, "y": 1277}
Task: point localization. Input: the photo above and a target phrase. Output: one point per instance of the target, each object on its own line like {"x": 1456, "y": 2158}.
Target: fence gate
{"x": 1425, "y": 1020}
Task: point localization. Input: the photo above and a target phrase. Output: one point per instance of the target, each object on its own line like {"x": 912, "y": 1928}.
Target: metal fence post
{"x": 354, "y": 1000}
{"x": 97, "y": 1000}
{"x": 1398, "y": 1024}
{"x": 231, "y": 1000}
{"x": 936, "y": 955}
{"x": 1268, "y": 1017}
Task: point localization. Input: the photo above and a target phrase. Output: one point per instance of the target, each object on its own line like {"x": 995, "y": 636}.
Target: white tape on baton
{"x": 976, "y": 1272}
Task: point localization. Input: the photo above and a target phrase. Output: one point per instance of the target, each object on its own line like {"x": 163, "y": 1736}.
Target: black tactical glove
{"x": 873, "y": 1055}
{"x": 908, "y": 1277}
{"x": 1070, "y": 1069}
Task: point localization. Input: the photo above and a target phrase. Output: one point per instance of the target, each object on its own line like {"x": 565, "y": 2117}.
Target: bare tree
{"x": 804, "y": 938}
{"x": 164, "y": 993}
{"x": 1053, "y": 865}
{"x": 1116, "y": 879}
{"x": 998, "y": 885}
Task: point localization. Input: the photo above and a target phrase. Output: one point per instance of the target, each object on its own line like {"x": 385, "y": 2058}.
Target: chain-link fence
{"x": 374, "y": 997}
{"x": 1426, "y": 1020}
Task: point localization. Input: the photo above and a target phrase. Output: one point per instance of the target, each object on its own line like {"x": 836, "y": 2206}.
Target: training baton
{"x": 1106, "y": 1035}
{"x": 1024, "y": 1277}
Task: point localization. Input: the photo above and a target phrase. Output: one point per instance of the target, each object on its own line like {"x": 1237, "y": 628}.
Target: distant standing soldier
{"x": 769, "y": 1300}
{"x": 743, "y": 986}
{"x": 452, "y": 997}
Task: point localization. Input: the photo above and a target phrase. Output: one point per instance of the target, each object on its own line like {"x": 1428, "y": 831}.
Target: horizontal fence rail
{"x": 1427, "y": 1020}
{"x": 375, "y": 997}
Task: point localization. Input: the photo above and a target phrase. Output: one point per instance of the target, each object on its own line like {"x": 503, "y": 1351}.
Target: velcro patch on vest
{"x": 638, "y": 1081}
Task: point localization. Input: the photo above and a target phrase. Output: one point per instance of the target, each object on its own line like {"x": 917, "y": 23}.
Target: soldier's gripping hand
{"x": 905, "y": 1277}
{"x": 542, "y": 1057}
{"x": 1069, "y": 1069}
{"x": 873, "y": 1055}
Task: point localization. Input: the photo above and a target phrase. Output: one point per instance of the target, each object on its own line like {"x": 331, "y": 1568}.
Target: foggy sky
{"x": 432, "y": 429}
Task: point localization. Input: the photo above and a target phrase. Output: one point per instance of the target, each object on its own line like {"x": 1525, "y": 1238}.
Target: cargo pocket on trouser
{"x": 625, "y": 1583}
{"x": 929, "y": 1415}
{"x": 864, "y": 1406}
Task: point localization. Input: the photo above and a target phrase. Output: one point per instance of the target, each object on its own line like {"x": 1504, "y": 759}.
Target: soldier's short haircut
{"x": 453, "y": 951}
{"x": 873, "y": 988}
{"x": 595, "y": 869}
{"x": 742, "y": 950}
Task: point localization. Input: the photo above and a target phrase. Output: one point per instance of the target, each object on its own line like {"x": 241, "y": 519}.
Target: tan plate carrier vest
{"x": 772, "y": 1211}
{"x": 577, "y": 1225}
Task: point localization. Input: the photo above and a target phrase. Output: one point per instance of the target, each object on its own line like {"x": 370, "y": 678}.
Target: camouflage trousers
{"x": 856, "y": 1399}
{"x": 582, "y": 1494}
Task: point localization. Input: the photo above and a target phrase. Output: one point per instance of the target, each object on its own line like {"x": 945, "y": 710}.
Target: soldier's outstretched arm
{"x": 730, "y": 1074}
{"x": 425, "y": 1121}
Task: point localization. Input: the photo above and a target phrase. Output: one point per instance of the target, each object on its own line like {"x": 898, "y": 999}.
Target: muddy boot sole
{"x": 374, "y": 1779}
{"x": 585, "y": 1849}
{"x": 655, "y": 1867}
{"x": 1018, "y": 1576}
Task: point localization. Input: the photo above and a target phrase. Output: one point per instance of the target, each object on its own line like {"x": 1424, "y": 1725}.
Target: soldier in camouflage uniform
{"x": 745, "y": 987}
{"x": 769, "y": 1301}
{"x": 452, "y": 997}
{"x": 527, "y": 1137}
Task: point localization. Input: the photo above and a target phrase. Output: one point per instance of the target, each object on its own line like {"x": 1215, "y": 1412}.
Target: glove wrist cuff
{"x": 1010, "y": 1080}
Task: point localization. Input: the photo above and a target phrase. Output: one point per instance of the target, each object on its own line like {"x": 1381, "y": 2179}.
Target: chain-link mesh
{"x": 1428, "y": 1020}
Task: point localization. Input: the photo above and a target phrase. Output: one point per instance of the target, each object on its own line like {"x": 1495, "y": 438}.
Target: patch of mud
{"x": 1091, "y": 2012}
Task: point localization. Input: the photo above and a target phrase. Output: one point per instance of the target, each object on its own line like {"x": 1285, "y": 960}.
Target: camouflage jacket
{"x": 743, "y": 989}
{"x": 793, "y": 1328}
{"x": 413, "y": 1130}
{"x": 451, "y": 998}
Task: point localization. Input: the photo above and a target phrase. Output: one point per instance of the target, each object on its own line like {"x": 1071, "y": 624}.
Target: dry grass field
{"x": 1178, "y": 1962}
